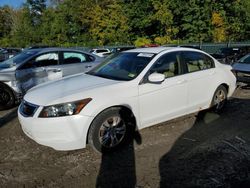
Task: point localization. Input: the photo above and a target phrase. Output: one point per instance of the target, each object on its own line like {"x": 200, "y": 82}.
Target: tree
{"x": 196, "y": 21}
{"x": 235, "y": 15}
{"x": 36, "y": 9}
{"x": 139, "y": 14}
{"x": 219, "y": 31}
{"x": 22, "y": 33}
{"x": 163, "y": 18}
{"x": 69, "y": 25}
{"x": 6, "y": 23}
{"x": 108, "y": 23}
{"x": 6, "y": 20}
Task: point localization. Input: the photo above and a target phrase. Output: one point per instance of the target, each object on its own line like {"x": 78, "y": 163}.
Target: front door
{"x": 42, "y": 68}
{"x": 161, "y": 102}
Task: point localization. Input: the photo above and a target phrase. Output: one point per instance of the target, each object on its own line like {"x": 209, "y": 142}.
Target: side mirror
{"x": 156, "y": 78}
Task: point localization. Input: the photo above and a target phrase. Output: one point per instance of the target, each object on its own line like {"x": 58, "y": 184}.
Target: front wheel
{"x": 219, "y": 99}
{"x": 109, "y": 130}
{"x": 7, "y": 98}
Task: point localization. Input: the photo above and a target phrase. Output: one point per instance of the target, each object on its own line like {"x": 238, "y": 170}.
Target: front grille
{"x": 28, "y": 109}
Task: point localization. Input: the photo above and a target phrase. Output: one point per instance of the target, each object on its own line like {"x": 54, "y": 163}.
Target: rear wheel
{"x": 7, "y": 98}
{"x": 219, "y": 99}
{"x": 109, "y": 130}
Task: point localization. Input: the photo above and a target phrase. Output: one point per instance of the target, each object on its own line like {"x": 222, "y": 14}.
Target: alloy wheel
{"x": 219, "y": 99}
{"x": 112, "y": 132}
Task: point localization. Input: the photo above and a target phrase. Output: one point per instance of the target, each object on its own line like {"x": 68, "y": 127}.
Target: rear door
{"x": 75, "y": 62}
{"x": 201, "y": 72}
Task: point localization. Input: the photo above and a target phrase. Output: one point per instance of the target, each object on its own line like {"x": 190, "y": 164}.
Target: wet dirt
{"x": 198, "y": 150}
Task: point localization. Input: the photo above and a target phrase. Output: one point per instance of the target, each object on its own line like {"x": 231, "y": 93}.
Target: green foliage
{"x": 108, "y": 24}
{"x": 141, "y": 41}
{"x": 111, "y": 22}
{"x": 6, "y": 20}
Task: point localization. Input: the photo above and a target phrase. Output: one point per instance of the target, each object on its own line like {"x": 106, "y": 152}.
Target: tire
{"x": 7, "y": 98}
{"x": 110, "y": 130}
{"x": 219, "y": 99}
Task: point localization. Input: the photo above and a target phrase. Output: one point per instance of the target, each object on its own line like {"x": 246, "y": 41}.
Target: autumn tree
{"x": 219, "y": 30}
{"x": 111, "y": 22}
{"x": 108, "y": 23}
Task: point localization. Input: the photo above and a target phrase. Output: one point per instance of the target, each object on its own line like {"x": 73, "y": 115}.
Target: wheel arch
{"x": 124, "y": 109}
{"x": 225, "y": 85}
{"x": 6, "y": 85}
{"x": 13, "y": 94}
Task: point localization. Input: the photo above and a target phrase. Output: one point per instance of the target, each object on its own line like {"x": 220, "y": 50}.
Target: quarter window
{"x": 196, "y": 61}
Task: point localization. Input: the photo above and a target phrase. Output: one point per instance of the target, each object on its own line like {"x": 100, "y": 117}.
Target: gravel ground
{"x": 199, "y": 150}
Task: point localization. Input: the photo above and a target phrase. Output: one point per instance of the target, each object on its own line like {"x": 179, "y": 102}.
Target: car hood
{"x": 242, "y": 67}
{"x": 66, "y": 89}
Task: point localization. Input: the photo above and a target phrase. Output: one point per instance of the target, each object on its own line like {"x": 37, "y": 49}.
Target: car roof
{"x": 42, "y": 50}
{"x": 160, "y": 49}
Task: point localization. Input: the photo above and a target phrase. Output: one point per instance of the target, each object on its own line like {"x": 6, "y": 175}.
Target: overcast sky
{"x": 12, "y": 3}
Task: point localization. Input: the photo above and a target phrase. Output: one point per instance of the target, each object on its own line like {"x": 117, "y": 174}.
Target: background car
{"x": 6, "y": 53}
{"x": 121, "y": 48}
{"x": 229, "y": 55}
{"x": 242, "y": 69}
{"x": 131, "y": 90}
{"x": 101, "y": 52}
{"x": 35, "y": 66}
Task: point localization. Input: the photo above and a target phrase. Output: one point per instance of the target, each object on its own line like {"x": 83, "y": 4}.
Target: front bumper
{"x": 61, "y": 133}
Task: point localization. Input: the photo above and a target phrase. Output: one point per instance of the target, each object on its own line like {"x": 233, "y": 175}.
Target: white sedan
{"x": 131, "y": 90}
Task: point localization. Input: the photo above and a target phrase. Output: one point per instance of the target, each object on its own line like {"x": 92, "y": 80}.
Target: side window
{"x": 73, "y": 57}
{"x": 196, "y": 61}
{"x": 168, "y": 65}
{"x": 208, "y": 62}
{"x": 46, "y": 60}
{"x": 42, "y": 61}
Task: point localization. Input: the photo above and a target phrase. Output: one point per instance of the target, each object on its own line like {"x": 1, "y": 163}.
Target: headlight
{"x": 64, "y": 109}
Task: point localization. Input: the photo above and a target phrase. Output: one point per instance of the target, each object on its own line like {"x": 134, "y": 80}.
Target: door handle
{"x": 39, "y": 70}
{"x": 54, "y": 70}
{"x": 88, "y": 66}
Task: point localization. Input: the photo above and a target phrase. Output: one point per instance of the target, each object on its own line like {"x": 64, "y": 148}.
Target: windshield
{"x": 245, "y": 59}
{"x": 17, "y": 59}
{"x": 122, "y": 66}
